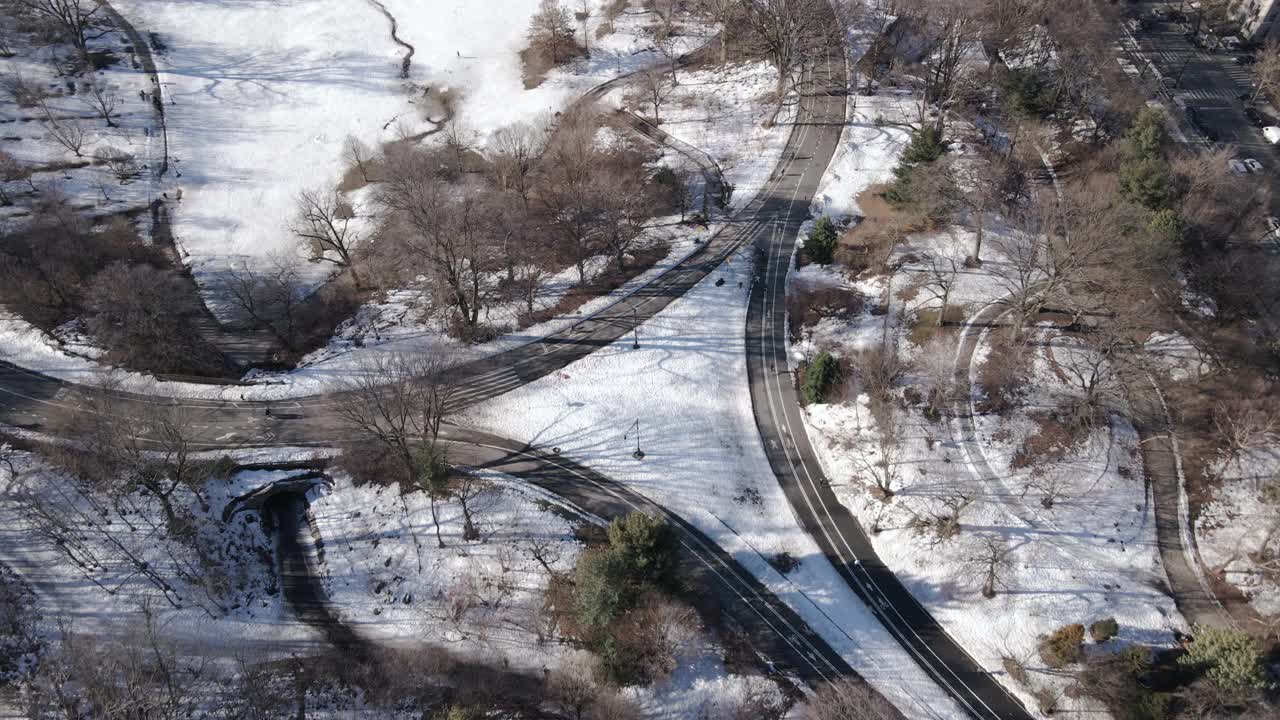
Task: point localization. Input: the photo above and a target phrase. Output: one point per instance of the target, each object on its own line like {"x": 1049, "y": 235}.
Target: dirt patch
{"x": 925, "y": 325}
{"x": 1002, "y": 378}
{"x": 1052, "y": 441}
{"x": 601, "y": 284}
{"x": 806, "y": 307}
{"x": 535, "y": 64}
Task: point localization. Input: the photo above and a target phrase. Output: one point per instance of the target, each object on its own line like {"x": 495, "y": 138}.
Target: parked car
{"x": 1244, "y": 166}
{"x": 1237, "y": 167}
{"x": 1255, "y": 116}
{"x": 1253, "y": 165}
{"x": 1246, "y": 59}
{"x": 1273, "y": 226}
{"x": 1231, "y": 43}
{"x": 1272, "y": 134}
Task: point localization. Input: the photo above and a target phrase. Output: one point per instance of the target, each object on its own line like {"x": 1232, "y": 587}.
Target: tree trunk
{"x": 435, "y": 518}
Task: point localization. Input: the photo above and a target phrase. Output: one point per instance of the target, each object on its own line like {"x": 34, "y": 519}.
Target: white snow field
{"x": 261, "y": 97}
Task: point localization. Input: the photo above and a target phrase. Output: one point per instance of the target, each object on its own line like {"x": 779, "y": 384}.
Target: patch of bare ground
{"x": 806, "y": 307}
{"x": 1052, "y": 441}
{"x": 602, "y": 284}
{"x": 866, "y": 245}
{"x": 1003, "y": 376}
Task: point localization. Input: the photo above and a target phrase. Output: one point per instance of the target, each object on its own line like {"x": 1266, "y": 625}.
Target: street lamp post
{"x": 638, "y": 454}
{"x": 635, "y": 329}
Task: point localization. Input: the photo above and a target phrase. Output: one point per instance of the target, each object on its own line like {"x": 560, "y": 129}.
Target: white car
{"x": 1273, "y": 227}
{"x": 1272, "y": 134}
{"x": 1238, "y": 167}
{"x": 1253, "y": 165}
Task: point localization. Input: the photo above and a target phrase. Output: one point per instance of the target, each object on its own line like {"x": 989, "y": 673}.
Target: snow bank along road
{"x": 771, "y": 222}
{"x": 778, "y": 416}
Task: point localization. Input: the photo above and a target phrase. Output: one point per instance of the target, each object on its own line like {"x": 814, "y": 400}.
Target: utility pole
{"x": 635, "y": 329}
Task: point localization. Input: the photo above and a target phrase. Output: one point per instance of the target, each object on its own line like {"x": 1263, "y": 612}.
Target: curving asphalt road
{"x": 779, "y": 419}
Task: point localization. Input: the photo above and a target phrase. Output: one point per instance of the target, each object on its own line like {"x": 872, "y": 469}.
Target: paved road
{"x": 778, "y": 416}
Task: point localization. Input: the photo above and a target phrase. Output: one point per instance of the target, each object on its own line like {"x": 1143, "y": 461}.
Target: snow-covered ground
{"x": 482, "y": 598}
{"x": 92, "y": 187}
{"x": 721, "y": 111}
{"x": 1238, "y": 531}
{"x": 686, "y": 388}
{"x": 262, "y": 97}
{"x": 240, "y": 612}
{"x": 1090, "y": 556}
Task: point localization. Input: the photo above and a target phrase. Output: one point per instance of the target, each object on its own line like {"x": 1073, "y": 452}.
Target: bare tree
{"x": 323, "y": 224}
{"x": 359, "y": 155}
{"x": 883, "y": 465}
{"x": 567, "y": 192}
{"x": 12, "y": 170}
{"x": 271, "y": 299}
{"x": 936, "y": 366}
{"x": 515, "y": 150}
{"x": 447, "y": 228}
{"x": 990, "y": 557}
{"x": 573, "y": 685}
{"x": 1244, "y": 425}
{"x": 722, "y": 13}
{"x": 400, "y": 403}
{"x": 848, "y": 699}
{"x": 1092, "y": 363}
{"x": 1266, "y": 69}
{"x": 551, "y": 31}
{"x": 121, "y": 164}
{"x": 665, "y": 35}
{"x": 655, "y": 86}
{"x": 466, "y": 488}
{"x": 136, "y": 312}
{"x": 100, "y": 98}
{"x": 792, "y": 34}
{"x": 1052, "y": 483}
{"x": 625, "y": 202}
{"x": 974, "y": 186}
{"x": 941, "y": 274}
{"x": 68, "y": 133}
{"x": 75, "y": 19}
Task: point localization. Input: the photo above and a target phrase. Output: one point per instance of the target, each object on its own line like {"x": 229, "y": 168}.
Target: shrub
{"x": 1231, "y": 659}
{"x": 602, "y": 590}
{"x": 926, "y": 146}
{"x": 1046, "y": 700}
{"x": 821, "y": 245}
{"x": 1104, "y": 630}
{"x": 1026, "y": 94}
{"x": 1015, "y": 669}
{"x": 1146, "y": 182}
{"x": 1135, "y": 660}
{"x": 647, "y": 546}
{"x": 1063, "y": 646}
{"x": 1152, "y": 706}
{"x": 1148, "y": 135}
{"x": 819, "y": 377}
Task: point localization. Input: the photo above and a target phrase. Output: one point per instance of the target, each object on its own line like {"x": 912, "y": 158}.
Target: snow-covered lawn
{"x": 262, "y": 97}
{"x": 483, "y": 598}
{"x": 1238, "y": 531}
